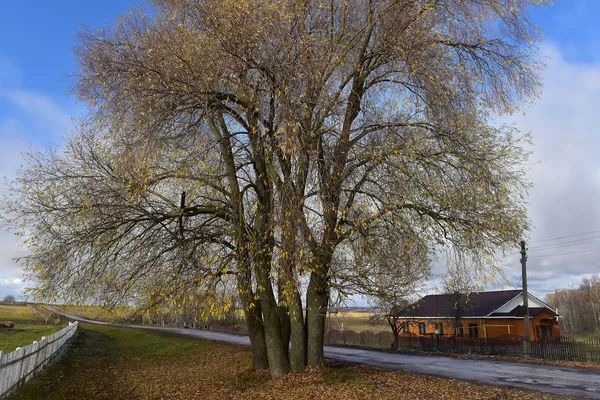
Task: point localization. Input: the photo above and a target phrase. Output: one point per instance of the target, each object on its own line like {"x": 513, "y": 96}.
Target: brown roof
{"x": 476, "y": 304}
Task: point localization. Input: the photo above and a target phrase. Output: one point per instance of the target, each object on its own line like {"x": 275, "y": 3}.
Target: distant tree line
{"x": 579, "y": 307}
{"x": 8, "y": 299}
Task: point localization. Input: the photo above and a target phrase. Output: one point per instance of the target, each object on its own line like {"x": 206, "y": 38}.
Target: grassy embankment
{"x": 29, "y": 326}
{"x": 120, "y": 363}
{"x": 98, "y": 313}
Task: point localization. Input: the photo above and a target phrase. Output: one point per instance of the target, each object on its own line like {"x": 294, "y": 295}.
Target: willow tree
{"x": 312, "y": 139}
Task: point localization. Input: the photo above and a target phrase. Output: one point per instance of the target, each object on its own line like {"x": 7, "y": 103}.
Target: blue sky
{"x": 572, "y": 26}
{"x": 36, "y": 42}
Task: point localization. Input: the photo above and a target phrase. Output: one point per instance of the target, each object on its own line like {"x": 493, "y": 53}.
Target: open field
{"x": 119, "y": 363}
{"x": 29, "y": 326}
{"x": 98, "y": 313}
{"x": 19, "y": 313}
{"x": 354, "y": 321}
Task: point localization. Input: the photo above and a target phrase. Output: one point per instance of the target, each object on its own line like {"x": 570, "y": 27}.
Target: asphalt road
{"x": 557, "y": 380}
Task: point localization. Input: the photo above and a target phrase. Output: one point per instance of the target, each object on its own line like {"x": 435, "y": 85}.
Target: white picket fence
{"x": 20, "y": 365}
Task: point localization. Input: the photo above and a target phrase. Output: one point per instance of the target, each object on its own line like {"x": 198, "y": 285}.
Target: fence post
{"x": 44, "y": 351}
{"x": 20, "y": 352}
{"x": 3, "y": 377}
{"x": 31, "y": 360}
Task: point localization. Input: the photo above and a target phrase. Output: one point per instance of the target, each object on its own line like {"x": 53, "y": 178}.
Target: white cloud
{"x": 12, "y": 286}
{"x": 46, "y": 116}
{"x": 29, "y": 120}
{"x": 565, "y": 198}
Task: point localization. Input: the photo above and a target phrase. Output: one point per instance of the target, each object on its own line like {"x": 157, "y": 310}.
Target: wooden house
{"x": 491, "y": 314}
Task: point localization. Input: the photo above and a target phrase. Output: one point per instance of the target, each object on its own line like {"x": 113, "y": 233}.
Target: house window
{"x": 459, "y": 330}
{"x": 405, "y": 328}
{"x": 440, "y": 328}
{"x": 537, "y": 332}
{"x": 473, "y": 330}
{"x": 422, "y": 328}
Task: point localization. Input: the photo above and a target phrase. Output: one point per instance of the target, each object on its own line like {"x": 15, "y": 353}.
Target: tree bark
{"x": 317, "y": 298}
{"x": 298, "y": 335}
{"x": 393, "y": 323}
{"x": 252, "y": 311}
{"x": 256, "y": 333}
{"x": 284, "y": 320}
{"x": 276, "y": 353}
{"x": 288, "y": 286}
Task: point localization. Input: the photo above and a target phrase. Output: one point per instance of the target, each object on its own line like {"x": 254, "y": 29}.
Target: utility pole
{"x": 527, "y": 337}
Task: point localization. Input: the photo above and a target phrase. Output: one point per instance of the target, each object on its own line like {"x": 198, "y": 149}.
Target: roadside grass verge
{"x": 123, "y": 363}
{"x": 23, "y": 334}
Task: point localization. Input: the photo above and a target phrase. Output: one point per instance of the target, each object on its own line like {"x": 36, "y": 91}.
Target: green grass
{"x": 99, "y": 313}
{"x": 19, "y": 313}
{"x": 23, "y": 334}
{"x": 583, "y": 338}
{"x": 355, "y": 321}
{"x": 29, "y": 326}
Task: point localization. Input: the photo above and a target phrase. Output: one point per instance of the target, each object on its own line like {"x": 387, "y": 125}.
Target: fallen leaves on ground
{"x": 119, "y": 363}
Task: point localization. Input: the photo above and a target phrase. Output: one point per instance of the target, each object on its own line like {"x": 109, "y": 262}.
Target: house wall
{"x": 487, "y": 327}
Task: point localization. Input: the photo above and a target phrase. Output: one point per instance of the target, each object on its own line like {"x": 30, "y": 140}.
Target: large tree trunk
{"x": 263, "y": 243}
{"x": 284, "y": 319}
{"x": 256, "y": 333}
{"x": 317, "y": 298}
{"x": 298, "y": 335}
{"x": 288, "y": 286}
{"x": 277, "y": 354}
{"x": 252, "y": 310}
{"x": 253, "y": 314}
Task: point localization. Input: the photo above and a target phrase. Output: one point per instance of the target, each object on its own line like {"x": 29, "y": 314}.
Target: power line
{"x": 566, "y": 244}
{"x": 565, "y": 237}
{"x": 563, "y": 254}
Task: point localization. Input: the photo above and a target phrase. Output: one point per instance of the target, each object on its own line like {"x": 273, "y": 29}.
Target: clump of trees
{"x": 8, "y": 299}
{"x": 579, "y": 307}
{"x": 290, "y": 149}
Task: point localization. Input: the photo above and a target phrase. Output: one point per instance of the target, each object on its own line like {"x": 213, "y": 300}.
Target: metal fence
{"x": 19, "y": 366}
{"x": 562, "y": 348}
